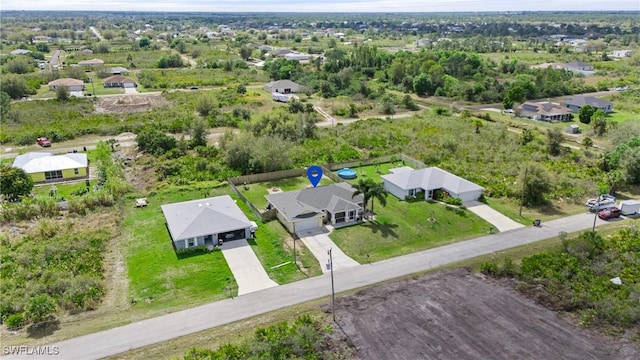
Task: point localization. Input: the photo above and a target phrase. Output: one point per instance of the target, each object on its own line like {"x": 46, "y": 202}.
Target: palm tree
{"x": 362, "y": 187}
{"x": 370, "y": 190}
{"x": 377, "y": 191}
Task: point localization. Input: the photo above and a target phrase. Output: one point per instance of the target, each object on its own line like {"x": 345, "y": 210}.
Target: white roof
{"x": 431, "y": 178}
{"x": 36, "y": 162}
{"x": 203, "y": 217}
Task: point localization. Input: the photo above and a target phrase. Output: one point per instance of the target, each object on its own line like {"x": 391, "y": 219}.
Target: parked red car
{"x": 43, "y": 141}
{"x": 609, "y": 213}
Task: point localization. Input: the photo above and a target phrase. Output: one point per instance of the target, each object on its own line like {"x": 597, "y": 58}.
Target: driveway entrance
{"x": 319, "y": 243}
{"x": 245, "y": 266}
{"x": 501, "y": 222}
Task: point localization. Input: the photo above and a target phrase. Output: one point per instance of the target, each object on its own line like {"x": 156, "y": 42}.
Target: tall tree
{"x": 554, "y": 141}
{"x": 599, "y": 119}
{"x": 14, "y": 182}
{"x": 586, "y": 113}
{"x": 370, "y": 190}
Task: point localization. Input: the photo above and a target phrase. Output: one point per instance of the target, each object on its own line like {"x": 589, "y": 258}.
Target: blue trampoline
{"x": 347, "y": 173}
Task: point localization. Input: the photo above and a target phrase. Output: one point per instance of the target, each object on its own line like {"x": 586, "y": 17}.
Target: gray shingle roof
{"x": 204, "y": 217}
{"x": 311, "y": 202}
{"x": 581, "y": 101}
{"x": 431, "y": 178}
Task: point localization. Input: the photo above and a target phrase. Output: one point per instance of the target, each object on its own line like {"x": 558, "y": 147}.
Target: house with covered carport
{"x": 206, "y": 222}
{"x": 405, "y": 182}
{"x": 311, "y": 208}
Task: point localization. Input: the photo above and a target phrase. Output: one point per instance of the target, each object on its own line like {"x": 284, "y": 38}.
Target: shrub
{"x": 14, "y": 321}
{"x": 489, "y": 268}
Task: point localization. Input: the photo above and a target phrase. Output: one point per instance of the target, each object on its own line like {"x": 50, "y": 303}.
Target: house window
{"x": 191, "y": 243}
{"x": 76, "y": 172}
{"x": 52, "y": 175}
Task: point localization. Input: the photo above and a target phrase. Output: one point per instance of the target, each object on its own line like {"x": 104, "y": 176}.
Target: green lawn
{"x": 622, "y": 116}
{"x": 404, "y": 227}
{"x": 511, "y": 209}
{"x": 161, "y": 279}
{"x": 257, "y": 191}
{"x": 373, "y": 171}
{"x": 63, "y": 191}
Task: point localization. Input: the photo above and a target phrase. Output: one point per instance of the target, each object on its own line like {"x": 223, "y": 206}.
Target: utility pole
{"x": 595, "y": 215}
{"x": 524, "y": 184}
{"x": 93, "y": 87}
{"x": 333, "y": 291}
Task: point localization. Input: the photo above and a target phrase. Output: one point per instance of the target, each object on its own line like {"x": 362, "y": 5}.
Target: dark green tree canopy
{"x": 14, "y": 182}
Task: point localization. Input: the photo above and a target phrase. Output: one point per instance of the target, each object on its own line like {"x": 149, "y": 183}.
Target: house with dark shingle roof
{"x": 206, "y": 222}
{"x": 310, "y": 208}
{"x": 543, "y": 111}
{"x": 576, "y": 102}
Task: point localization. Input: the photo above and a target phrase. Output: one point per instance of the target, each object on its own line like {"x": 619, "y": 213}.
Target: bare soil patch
{"x": 458, "y": 315}
{"x": 129, "y": 103}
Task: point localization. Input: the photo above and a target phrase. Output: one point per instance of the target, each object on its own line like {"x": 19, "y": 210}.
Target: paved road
{"x": 166, "y": 327}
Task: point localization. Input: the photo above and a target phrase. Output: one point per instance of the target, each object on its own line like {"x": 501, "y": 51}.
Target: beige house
{"x": 69, "y": 83}
{"x": 119, "y": 81}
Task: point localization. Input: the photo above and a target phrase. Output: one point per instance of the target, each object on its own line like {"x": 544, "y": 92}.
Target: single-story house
{"x": 405, "y": 182}
{"x": 92, "y": 62}
{"x": 118, "y": 70}
{"x": 283, "y": 87}
{"x": 621, "y": 53}
{"x": 281, "y": 52}
{"x": 576, "y": 102}
{"x": 70, "y": 83}
{"x": 579, "y": 65}
{"x": 84, "y": 52}
{"x": 119, "y": 81}
{"x": 310, "y": 208}
{"x": 46, "y": 167}
{"x": 297, "y": 56}
{"x": 20, "y": 52}
{"x": 543, "y": 111}
{"x": 206, "y": 222}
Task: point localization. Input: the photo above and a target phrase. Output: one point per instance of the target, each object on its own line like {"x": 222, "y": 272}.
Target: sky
{"x": 320, "y": 5}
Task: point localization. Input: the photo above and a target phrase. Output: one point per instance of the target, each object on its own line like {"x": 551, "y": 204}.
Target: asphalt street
{"x": 166, "y": 327}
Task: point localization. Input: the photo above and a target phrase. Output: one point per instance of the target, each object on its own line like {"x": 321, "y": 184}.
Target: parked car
{"x": 609, "y": 213}
{"x": 43, "y": 141}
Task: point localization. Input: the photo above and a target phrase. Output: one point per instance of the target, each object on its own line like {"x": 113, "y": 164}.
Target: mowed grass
{"x": 159, "y": 278}
{"x": 405, "y": 227}
{"x": 374, "y": 172}
{"x": 511, "y": 209}
{"x": 256, "y": 192}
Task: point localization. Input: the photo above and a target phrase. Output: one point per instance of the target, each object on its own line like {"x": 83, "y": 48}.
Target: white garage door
{"x": 306, "y": 224}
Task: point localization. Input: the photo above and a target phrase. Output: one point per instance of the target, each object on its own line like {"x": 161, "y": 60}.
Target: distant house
{"x": 579, "y": 66}
{"x": 281, "y": 52}
{"x": 40, "y": 39}
{"x": 118, "y": 70}
{"x": 70, "y": 83}
{"x": 284, "y": 87}
{"x": 310, "y": 208}
{"x": 576, "y": 102}
{"x": 206, "y": 222}
{"x": 20, "y": 52}
{"x": 297, "y": 56}
{"x": 92, "y": 62}
{"x": 84, "y": 52}
{"x": 621, "y": 53}
{"x": 544, "y": 111}
{"x": 46, "y": 167}
{"x": 119, "y": 81}
{"x": 405, "y": 182}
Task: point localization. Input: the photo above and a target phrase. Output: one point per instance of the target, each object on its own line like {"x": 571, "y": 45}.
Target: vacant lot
{"x": 457, "y": 315}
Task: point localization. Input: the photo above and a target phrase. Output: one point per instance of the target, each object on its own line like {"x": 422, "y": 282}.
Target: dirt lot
{"x": 458, "y": 315}
{"x": 129, "y": 103}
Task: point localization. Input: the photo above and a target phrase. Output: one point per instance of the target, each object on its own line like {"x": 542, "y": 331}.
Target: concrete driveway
{"x": 162, "y": 328}
{"x": 130, "y": 91}
{"x": 319, "y": 243}
{"x": 246, "y": 268}
{"x": 501, "y": 222}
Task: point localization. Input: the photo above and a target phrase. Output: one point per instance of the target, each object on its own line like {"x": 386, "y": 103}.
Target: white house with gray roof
{"x": 576, "y": 102}
{"x": 404, "y": 182}
{"x": 206, "y": 222}
{"x": 310, "y": 208}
